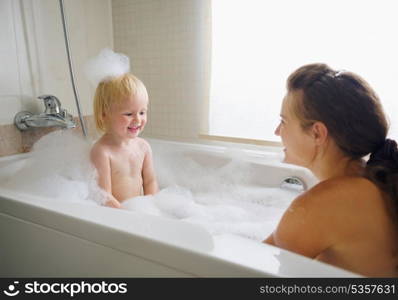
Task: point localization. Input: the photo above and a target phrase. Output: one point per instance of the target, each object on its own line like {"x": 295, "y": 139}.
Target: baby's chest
{"x": 127, "y": 165}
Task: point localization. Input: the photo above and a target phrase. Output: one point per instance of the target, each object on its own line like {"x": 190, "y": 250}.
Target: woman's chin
{"x": 288, "y": 160}
{"x": 285, "y": 157}
{"x": 295, "y": 162}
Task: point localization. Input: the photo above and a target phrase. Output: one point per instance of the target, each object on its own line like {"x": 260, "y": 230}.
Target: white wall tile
{"x": 9, "y": 75}
{"x": 168, "y": 44}
{"x": 32, "y": 49}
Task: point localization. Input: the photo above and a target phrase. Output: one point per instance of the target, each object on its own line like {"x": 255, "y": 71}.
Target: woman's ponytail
{"x": 382, "y": 169}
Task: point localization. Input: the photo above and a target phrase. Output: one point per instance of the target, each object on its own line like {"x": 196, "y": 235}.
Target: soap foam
{"x": 59, "y": 167}
{"x": 105, "y": 65}
{"x": 213, "y": 190}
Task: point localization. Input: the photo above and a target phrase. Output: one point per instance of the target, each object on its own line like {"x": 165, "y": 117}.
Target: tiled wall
{"x": 34, "y": 60}
{"x": 167, "y": 42}
{"x": 168, "y": 45}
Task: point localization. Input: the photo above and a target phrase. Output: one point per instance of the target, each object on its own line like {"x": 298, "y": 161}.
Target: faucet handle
{"x": 65, "y": 114}
{"x": 52, "y": 104}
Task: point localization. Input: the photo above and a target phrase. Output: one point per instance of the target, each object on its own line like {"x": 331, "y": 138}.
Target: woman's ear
{"x": 319, "y": 132}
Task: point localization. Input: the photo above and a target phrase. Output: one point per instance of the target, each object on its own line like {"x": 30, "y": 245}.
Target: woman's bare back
{"x": 345, "y": 222}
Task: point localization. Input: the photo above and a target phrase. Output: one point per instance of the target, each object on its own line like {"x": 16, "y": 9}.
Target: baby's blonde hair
{"x": 114, "y": 91}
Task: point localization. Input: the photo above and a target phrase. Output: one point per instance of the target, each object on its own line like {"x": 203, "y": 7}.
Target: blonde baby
{"x": 123, "y": 159}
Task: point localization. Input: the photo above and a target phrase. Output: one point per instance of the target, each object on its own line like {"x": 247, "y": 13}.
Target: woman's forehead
{"x": 289, "y": 102}
{"x": 292, "y": 97}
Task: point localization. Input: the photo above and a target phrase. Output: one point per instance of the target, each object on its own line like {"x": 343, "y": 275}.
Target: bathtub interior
{"x": 223, "y": 189}
{"x": 255, "y": 168}
{"x": 174, "y": 160}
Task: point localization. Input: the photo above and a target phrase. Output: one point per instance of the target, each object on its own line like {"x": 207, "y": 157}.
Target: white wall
{"x": 33, "y": 55}
{"x": 167, "y": 42}
{"x": 168, "y": 45}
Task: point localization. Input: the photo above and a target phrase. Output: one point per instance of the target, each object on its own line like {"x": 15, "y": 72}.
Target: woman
{"x": 329, "y": 122}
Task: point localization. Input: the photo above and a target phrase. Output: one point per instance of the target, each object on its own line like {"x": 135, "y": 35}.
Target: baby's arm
{"x": 148, "y": 173}
{"x": 101, "y": 162}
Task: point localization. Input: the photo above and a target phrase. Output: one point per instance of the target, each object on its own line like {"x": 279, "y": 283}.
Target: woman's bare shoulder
{"x": 339, "y": 198}
{"x": 331, "y": 209}
{"x": 341, "y": 188}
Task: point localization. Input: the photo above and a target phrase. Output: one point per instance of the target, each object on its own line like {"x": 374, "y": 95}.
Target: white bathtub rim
{"x": 163, "y": 248}
{"x": 254, "y": 263}
{"x": 70, "y": 210}
{"x": 305, "y": 267}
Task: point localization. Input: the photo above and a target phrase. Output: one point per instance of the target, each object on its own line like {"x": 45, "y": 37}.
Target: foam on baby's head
{"x": 106, "y": 65}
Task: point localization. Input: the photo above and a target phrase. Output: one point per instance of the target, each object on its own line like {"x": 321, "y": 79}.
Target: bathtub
{"x": 43, "y": 238}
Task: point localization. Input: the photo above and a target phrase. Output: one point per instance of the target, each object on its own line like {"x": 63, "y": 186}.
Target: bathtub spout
{"x": 53, "y": 116}
{"x": 44, "y": 120}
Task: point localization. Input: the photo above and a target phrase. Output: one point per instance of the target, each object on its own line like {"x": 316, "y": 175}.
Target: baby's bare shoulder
{"x": 99, "y": 149}
{"x": 144, "y": 145}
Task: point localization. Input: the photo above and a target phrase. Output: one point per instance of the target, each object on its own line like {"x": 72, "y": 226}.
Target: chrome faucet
{"x": 53, "y": 116}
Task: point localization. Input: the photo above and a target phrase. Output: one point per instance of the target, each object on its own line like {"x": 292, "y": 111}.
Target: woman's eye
{"x": 128, "y": 114}
{"x": 142, "y": 113}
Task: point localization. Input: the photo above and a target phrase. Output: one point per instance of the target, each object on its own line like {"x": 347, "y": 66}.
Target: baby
{"x": 123, "y": 160}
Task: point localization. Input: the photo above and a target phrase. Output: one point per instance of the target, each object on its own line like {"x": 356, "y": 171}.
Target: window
{"x": 256, "y": 44}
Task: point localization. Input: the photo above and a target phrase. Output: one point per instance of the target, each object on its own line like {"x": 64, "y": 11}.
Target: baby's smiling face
{"x": 127, "y": 119}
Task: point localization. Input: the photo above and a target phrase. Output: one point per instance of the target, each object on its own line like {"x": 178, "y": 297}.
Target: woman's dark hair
{"x": 353, "y": 115}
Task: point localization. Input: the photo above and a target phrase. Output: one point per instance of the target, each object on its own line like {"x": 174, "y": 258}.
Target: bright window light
{"x": 256, "y": 44}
